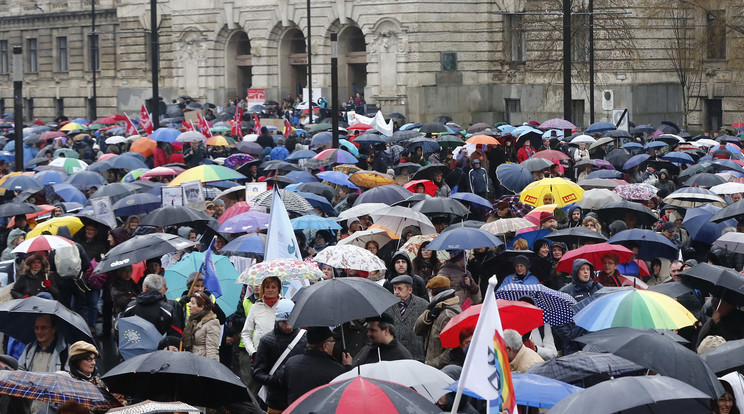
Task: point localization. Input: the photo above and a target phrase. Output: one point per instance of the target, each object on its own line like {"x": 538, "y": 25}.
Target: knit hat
{"x": 218, "y": 202}
{"x": 522, "y": 259}
{"x": 318, "y": 334}
{"x": 34, "y": 257}
{"x": 438, "y": 282}
{"x": 82, "y": 347}
{"x": 547, "y": 218}
{"x": 668, "y": 226}
{"x": 456, "y": 255}
{"x": 283, "y": 309}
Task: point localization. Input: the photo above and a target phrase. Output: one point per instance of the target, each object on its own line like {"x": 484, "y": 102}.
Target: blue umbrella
{"x": 655, "y": 145}
{"x": 531, "y": 390}
{"x": 301, "y": 176}
{"x": 427, "y": 145}
{"x": 302, "y": 154}
{"x": 474, "y": 199}
{"x": 729, "y": 147}
{"x": 464, "y": 238}
{"x": 650, "y": 244}
{"x": 371, "y": 139}
{"x": 314, "y": 222}
{"x": 531, "y": 237}
{"x": 321, "y": 138}
{"x": 317, "y": 201}
{"x": 136, "y": 204}
{"x": 556, "y": 305}
{"x": 635, "y": 161}
{"x": 69, "y": 193}
{"x": 632, "y": 146}
{"x": 50, "y": 177}
{"x": 165, "y": 135}
{"x": 553, "y": 133}
{"x": 336, "y": 177}
{"x": 177, "y": 275}
{"x": 126, "y": 162}
{"x": 80, "y": 121}
{"x": 133, "y": 175}
{"x": 600, "y": 127}
{"x": 137, "y": 336}
{"x": 514, "y": 177}
{"x": 701, "y": 228}
{"x": 7, "y": 156}
{"x": 85, "y": 180}
{"x": 247, "y": 245}
{"x": 410, "y": 126}
{"x": 505, "y": 129}
{"x": 726, "y": 165}
{"x": 605, "y": 174}
{"x": 117, "y": 131}
{"x": 679, "y": 157}
{"x": 349, "y": 147}
{"x": 21, "y": 183}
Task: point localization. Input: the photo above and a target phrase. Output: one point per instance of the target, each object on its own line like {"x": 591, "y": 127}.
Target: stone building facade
{"x": 472, "y": 60}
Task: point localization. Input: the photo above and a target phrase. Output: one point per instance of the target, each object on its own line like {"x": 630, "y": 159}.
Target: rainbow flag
{"x": 486, "y": 371}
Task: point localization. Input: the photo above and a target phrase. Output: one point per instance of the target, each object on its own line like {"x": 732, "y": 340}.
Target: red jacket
{"x": 523, "y": 155}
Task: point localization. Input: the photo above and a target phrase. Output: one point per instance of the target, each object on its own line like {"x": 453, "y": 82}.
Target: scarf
{"x": 188, "y": 331}
{"x": 271, "y": 302}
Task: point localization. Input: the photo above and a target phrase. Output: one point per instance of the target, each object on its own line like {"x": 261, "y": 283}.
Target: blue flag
{"x": 211, "y": 281}
{"x": 280, "y": 240}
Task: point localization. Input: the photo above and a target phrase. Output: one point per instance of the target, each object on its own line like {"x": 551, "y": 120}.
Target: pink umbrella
{"x": 159, "y": 172}
{"x": 105, "y": 157}
{"x": 232, "y": 211}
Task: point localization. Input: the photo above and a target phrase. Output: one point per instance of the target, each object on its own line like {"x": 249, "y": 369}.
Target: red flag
{"x": 237, "y": 131}
{"x": 256, "y": 125}
{"x": 187, "y": 126}
{"x": 287, "y": 128}
{"x": 131, "y": 129}
{"x": 145, "y": 120}
{"x": 204, "y": 126}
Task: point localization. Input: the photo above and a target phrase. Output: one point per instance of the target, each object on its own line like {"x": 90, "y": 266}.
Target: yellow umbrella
{"x": 369, "y": 179}
{"x": 51, "y": 225}
{"x": 205, "y": 174}
{"x": 347, "y": 168}
{"x": 72, "y": 126}
{"x": 551, "y": 190}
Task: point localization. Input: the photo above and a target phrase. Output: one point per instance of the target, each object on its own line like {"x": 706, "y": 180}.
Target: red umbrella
{"x": 429, "y": 187}
{"x": 593, "y": 253}
{"x": 51, "y": 135}
{"x": 520, "y": 316}
{"x": 358, "y": 127}
{"x": 235, "y": 209}
{"x": 552, "y": 155}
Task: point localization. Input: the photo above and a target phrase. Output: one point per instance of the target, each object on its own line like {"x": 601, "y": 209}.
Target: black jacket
{"x": 419, "y": 286}
{"x": 152, "y": 307}
{"x": 194, "y": 156}
{"x": 307, "y": 371}
{"x": 270, "y": 348}
{"x": 265, "y": 140}
{"x": 388, "y": 352}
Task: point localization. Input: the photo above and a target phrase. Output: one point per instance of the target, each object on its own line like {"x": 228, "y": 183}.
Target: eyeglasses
{"x": 331, "y": 341}
{"x": 90, "y": 359}
{"x": 726, "y": 400}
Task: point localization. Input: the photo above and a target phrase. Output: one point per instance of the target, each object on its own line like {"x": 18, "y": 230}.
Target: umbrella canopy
{"x": 557, "y": 123}
{"x": 425, "y": 379}
{"x": 507, "y": 225}
{"x": 136, "y": 204}
{"x": 735, "y": 210}
{"x": 464, "y": 238}
{"x": 370, "y": 179}
{"x": 285, "y": 269}
{"x": 335, "y": 301}
{"x": 168, "y": 376}
{"x": 175, "y": 215}
{"x": 336, "y": 177}
{"x": 21, "y": 183}
{"x": 314, "y": 222}
{"x": 728, "y": 188}
{"x": 594, "y": 254}
{"x": 386, "y": 194}
{"x": 520, "y": 316}
{"x": 247, "y": 245}
{"x": 360, "y": 210}
{"x": 14, "y": 209}
{"x": 535, "y": 390}
{"x": 441, "y": 205}
{"x": 85, "y": 180}
{"x": 361, "y": 237}
{"x": 562, "y": 191}
{"x": 689, "y": 197}
{"x": 397, "y": 218}
{"x": 584, "y": 365}
{"x": 652, "y": 394}
{"x": 726, "y": 357}
{"x": 363, "y": 396}
{"x": 350, "y": 256}
{"x": 116, "y": 191}
{"x": 148, "y": 406}
{"x": 617, "y": 210}
{"x": 140, "y": 248}
{"x": 429, "y": 187}
{"x": 650, "y": 244}
{"x": 617, "y": 157}
{"x": 636, "y": 309}
{"x": 719, "y": 281}
{"x": 536, "y": 164}
{"x": 475, "y": 200}
{"x": 702, "y": 225}
{"x": 206, "y": 174}
{"x": 17, "y": 319}
{"x": 71, "y": 165}
{"x": 706, "y": 180}
{"x": 177, "y": 275}
{"x": 576, "y": 235}
{"x": 658, "y": 353}
{"x": 320, "y": 189}
{"x": 427, "y": 172}
{"x": 137, "y": 336}
{"x": 292, "y": 201}
{"x": 556, "y": 306}
{"x": 42, "y": 243}
{"x": 635, "y": 161}
{"x": 598, "y": 183}
{"x": 73, "y": 224}
{"x": 551, "y": 155}
{"x": 636, "y": 192}
{"x": 52, "y": 387}
{"x": 731, "y": 241}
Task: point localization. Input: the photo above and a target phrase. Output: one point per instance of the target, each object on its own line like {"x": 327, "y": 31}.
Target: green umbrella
{"x": 94, "y": 127}
{"x": 450, "y": 141}
{"x": 220, "y": 129}
{"x": 177, "y": 275}
{"x": 68, "y": 153}
{"x": 320, "y": 127}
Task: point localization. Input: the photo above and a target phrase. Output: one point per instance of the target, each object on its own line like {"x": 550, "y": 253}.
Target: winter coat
{"x": 577, "y": 289}
{"x": 194, "y": 156}
{"x": 419, "y": 286}
{"x": 279, "y": 152}
{"x": 258, "y": 322}
{"x": 665, "y": 183}
{"x": 270, "y": 348}
{"x": 456, "y": 274}
{"x": 207, "y": 336}
{"x": 30, "y": 284}
{"x": 121, "y": 292}
{"x": 404, "y": 326}
{"x": 56, "y": 362}
{"x": 528, "y": 279}
{"x": 372, "y": 353}
{"x": 266, "y": 141}
{"x": 478, "y": 180}
{"x": 524, "y": 359}
{"x": 152, "y": 307}
{"x": 302, "y": 373}
{"x": 523, "y": 154}
{"x": 436, "y": 356}
{"x": 7, "y": 253}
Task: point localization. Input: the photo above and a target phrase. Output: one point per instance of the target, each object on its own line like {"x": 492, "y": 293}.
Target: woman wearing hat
{"x": 201, "y": 336}
{"x": 82, "y": 363}
{"x": 34, "y": 278}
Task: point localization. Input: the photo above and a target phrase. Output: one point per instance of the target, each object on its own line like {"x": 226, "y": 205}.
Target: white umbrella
{"x": 507, "y": 225}
{"x": 350, "y": 257}
{"x": 705, "y": 142}
{"x": 397, "y": 218}
{"x": 583, "y": 138}
{"x": 42, "y": 243}
{"x": 595, "y": 198}
{"x": 732, "y": 241}
{"x": 116, "y": 139}
{"x": 360, "y": 210}
{"x": 426, "y": 380}
{"x": 728, "y": 188}
{"x": 361, "y": 237}
{"x": 191, "y": 136}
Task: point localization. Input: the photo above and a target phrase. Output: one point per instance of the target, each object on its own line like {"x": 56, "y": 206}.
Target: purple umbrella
{"x": 639, "y": 191}
{"x": 557, "y": 123}
{"x": 236, "y": 160}
{"x": 247, "y": 222}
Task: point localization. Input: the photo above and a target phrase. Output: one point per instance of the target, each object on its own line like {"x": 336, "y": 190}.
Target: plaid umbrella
{"x": 292, "y": 201}
{"x": 51, "y": 387}
{"x": 556, "y": 305}
{"x": 582, "y": 365}
{"x": 507, "y": 225}
{"x": 517, "y": 208}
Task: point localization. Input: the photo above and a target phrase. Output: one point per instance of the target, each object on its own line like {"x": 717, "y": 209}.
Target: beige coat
{"x": 207, "y": 337}
{"x": 525, "y": 358}
{"x": 436, "y": 356}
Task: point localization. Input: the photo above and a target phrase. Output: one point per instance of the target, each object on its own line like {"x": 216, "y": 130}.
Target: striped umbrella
{"x": 42, "y": 243}
{"x": 292, "y": 201}
{"x": 634, "y": 309}
{"x": 336, "y": 156}
{"x": 205, "y": 174}
{"x": 690, "y": 197}
{"x": 507, "y": 225}
{"x": 71, "y": 165}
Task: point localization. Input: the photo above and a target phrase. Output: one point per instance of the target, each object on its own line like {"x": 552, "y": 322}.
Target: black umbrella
{"x": 175, "y": 215}
{"x": 658, "y": 353}
{"x": 650, "y": 244}
{"x": 193, "y": 106}
{"x": 414, "y": 199}
{"x": 411, "y": 166}
{"x": 177, "y": 376}
{"x": 433, "y": 128}
{"x": 427, "y": 172}
{"x": 726, "y": 357}
{"x": 387, "y": 194}
{"x": 320, "y": 189}
{"x": 672, "y": 289}
{"x": 116, "y": 191}
{"x": 534, "y": 137}
{"x": 247, "y": 147}
{"x": 14, "y": 209}
{"x": 616, "y": 210}
{"x": 90, "y": 217}
{"x": 651, "y": 394}
{"x": 335, "y": 301}
{"x": 441, "y": 205}
{"x": 704, "y": 180}
{"x": 617, "y": 157}
{"x": 576, "y": 235}
{"x": 369, "y": 139}
{"x": 731, "y": 211}
{"x": 442, "y": 119}
{"x": 586, "y": 367}
{"x": 279, "y": 165}
{"x": 404, "y": 135}
{"x": 618, "y": 133}
{"x": 719, "y": 281}
{"x": 17, "y": 319}
{"x": 140, "y": 248}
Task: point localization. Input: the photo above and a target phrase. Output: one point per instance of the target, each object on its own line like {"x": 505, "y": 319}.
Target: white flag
{"x": 281, "y": 240}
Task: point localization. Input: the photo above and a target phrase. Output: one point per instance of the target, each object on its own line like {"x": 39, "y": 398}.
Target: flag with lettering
{"x": 237, "y": 131}
{"x": 256, "y": 124}
{"x": 146, "y": 120}
{"x": 211, "y": 281}
{"x": 486, "y": 371}
{"x": 280, "y": 240}
{"x": 130, "y": 128}
{"x": 287, "y": 128}
{"x": 204, "y": 126}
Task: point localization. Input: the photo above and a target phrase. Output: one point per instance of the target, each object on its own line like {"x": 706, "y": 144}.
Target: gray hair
{"x": 153, "y": 283}
{"x": 512, "y": 339}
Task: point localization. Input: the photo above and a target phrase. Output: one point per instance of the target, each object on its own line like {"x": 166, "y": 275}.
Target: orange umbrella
{"x": 482, "y": 140}
{"x": 144, "y": 146}
{"x": 369, "y": 179}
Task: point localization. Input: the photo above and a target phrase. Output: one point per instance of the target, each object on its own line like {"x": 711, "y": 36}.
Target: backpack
{"x": 67, "y": 262}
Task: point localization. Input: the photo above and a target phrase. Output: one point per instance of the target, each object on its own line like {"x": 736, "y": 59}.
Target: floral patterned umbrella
{"x": 506, "y": 225}
{"x": 285, "y": 269}
{"x": 638, "y": 191}
{"x": 413, "y": 245}
{"x": 350, "y": 257}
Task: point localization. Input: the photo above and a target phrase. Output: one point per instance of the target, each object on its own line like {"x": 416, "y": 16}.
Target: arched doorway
{"x": 293, "y": 63}
{"x": 238, "y": 65}
{"x": 352, "y": 66}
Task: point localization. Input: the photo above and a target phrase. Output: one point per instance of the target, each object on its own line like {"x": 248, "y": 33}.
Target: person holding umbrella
{"x": 444, "y": 305}
{"x": 460, "y": 279}
{"x": 48, "y": 352}
{"x": 725, "y": 321}
{"x": 34, "y": 278}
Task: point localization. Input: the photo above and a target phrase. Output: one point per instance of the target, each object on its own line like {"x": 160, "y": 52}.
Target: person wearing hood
{"x": 323, "y": 239}
{"x": 574, "y": 218}
{"x": 521, "y": 273}
{"x": 15, "y": 237}
{"x": 582, "y": 285}
{"x": 271, "y": 355}
{"x": 34, "y": 277}
{"x": 664, "y": 183}
{"x": 400, "y": 264}
{"x": 125, "y": 231}
{"x": 151, "y": 306}
{"x": 203, "y": 332}
{"x": 466, "y": 288}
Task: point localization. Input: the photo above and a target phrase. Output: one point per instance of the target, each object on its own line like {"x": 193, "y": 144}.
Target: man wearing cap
{"x": 219, "y": 207}
{"x": 521, "y": 273}
{"x": 400, "y": 264}
{"x": 478, "y": 179}
{"x": 313, "y": 368}
{"x": 444, "y": 306}
{"x": 383, "y": 345}
{"x": 460, "y": 279}
{"x": 48, "y": 352}
{"x": 274, "y": 349}
{"x": 405, "y": 313}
